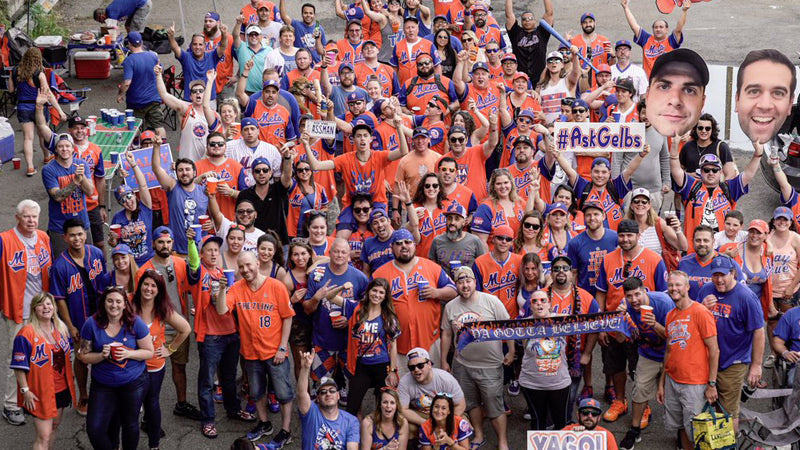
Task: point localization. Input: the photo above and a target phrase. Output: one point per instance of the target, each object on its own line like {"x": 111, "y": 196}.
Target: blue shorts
{"x": 281, "y": 376}
{"x": 29, "y": 115}
{"x": 348, "y": 222}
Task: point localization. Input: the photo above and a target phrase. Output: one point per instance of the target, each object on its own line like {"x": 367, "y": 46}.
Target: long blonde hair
{"x": 31, "y": 62}
{"x": 513, "y": 195}
{"x": 652, "y": 216}
{"x": 38, "y": 299}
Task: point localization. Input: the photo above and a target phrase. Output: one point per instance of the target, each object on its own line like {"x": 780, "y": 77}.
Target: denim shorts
{"x": 281, "y": 376}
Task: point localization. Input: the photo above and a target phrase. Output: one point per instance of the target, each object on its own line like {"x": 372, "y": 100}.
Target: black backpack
{"x": 726, "y": 191}
{"x": 612, "y": 191}
{"x": 18, "y": 44}
{"x": 436, "y": 78}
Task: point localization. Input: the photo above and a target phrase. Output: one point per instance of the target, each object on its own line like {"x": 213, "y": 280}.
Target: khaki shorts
{"x": 729, "y": 387}
{"x": 645, "y": 382}
{"x": 482, "y": 387}
{"x": 681, "y": 403}
{"x": 181, "y": 355}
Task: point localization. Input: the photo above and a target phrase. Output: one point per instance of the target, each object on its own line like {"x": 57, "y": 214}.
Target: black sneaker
{"x": 186, "y": 409}
{"x": 260, "y": 430}
{"x": 631, "y": 438}
{"x": 280, "y": 440}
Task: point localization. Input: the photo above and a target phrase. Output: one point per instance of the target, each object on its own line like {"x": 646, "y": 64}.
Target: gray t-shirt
{"x": 33, "y": 281}
{"x": 443, "y": 250}
{"x": 419, "y": 397}
{"x": 483, "y": 306}
{"x": 544, "y": 364}
{"x": 653, "y": 172}
{"x": 172, "y": 289}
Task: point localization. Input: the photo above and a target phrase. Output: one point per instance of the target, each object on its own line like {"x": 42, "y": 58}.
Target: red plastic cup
{"x": 17, "y": 163}
{"x": 117, "y": 229}
{"x": 607, "y": 47}
{"x": 116, "y": 350}
{"x": 647, "y": 310}
{"x": 336, "y": 317}
{"x": 211, "y": 183}
{"x": 203, "y": 221}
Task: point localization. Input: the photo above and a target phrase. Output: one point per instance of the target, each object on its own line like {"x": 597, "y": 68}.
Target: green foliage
{"x": 46, "y": 23}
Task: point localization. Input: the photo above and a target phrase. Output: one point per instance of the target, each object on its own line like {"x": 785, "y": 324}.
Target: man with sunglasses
{"x": 420, "y": 383}
{"x": 497, "y": 272}
{"x": 194, "y": 125}
{"x": 455, "y": 247}
{"x": 77, "y": 300}
{"x": 455, "y": 192}
{"x": 249, "y": 147}
{"x": 269, "y": 197}
{"x": 478, "y": 368}
{"x": 485, "y": 29}
{"x": 410, "y": 48}
{"x": 589, "y": 412}
{"x": 377, "y": 249}
{"x": 630, "y": 259}
{"x": 196, "y": 62}
{"x": 227, "y": 171}
{"x": 624, "y": 68}
{"x": 471, "y": 161}
{"x": 182, "y": 281}
{"x": 417, "y": 92}
{"x": 708, "y": 199}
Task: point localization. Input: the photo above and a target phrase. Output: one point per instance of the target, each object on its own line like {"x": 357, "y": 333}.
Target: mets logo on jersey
{"x": 40, "y": 356}
{"x": 199, "y": 130}
{"x": 495, "y": 282}
{"x": 618, "y": 277}
{"x": 654, "y": 50}
{"x": 465, "y": 318}
{"x": 678, "y": 333}
{"x": 17, "y": 262}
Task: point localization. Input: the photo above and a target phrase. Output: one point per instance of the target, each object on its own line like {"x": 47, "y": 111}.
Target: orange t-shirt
{"x": 413, "y": 166}
{"x": 158, "y": 333}
{"x": 611, "y": 442}
{"x": 687, "y": 354}
{"x": 228, "y": 173}
{"x": 523, "y": 180}
{"x": 471, "y": 170}
{"x": 464, "y": 197}
{"x": 359, "y": 177}
{"x": 272, "y": 123}
{"x": 260, "y": 316}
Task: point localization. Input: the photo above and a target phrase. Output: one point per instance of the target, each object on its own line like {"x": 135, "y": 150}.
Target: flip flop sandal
{"x": 210, "y": 431}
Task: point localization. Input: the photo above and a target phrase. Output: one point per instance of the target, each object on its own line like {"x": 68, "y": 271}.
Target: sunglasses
{"x": 556, "y": 269}
{"x": 433, "y": 105}
{"x": 447, "y": 169}
{"x": 578, "y": 110}
{"x": 303, "y": 169}
{"x": 125, "y": 197}
{"x": 197, "y": 91}
{"x": 504, "y": 238}
{"x": 524, "y": 120}
{"x": 531, "y": 226}
{"x": 362, "y": 210}
{"x": 262, "y": 170}
{"x": 420, "y": 366}
{"x": 589, "y": 412}
{"x": 527, "y": 18}
{"x": 327, "y": 391}
{"x": 710, "y": 170}
{"x": 467, "y": 40}
{"x": 641, "y": 202}
{"x": 431, "y": 186}
{"x": 216, "y": 144}
{"x": 170, "y": 273}
{"x": 494, "y": 50}
{"x": 553, "y": 60}
{"x": 253, "y": 34}
{"x": 458, "y": 140}
{"x": 626, "y": 269}
{"x": 245, "y": 211}
{"x": 699, "y": 128}
{"x": 425, "y": 63}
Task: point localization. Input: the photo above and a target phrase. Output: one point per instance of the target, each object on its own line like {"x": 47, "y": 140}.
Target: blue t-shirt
{"x": 304, "y": 37}
{"x": 74, "y": 206}
{"x": 587, "y": 256}
{"x": 788, "y": 329}
{"x": 195, "y": 69}
{"x": 319, "y": 432}
{"x": 123, "y": 9}
{"x": 376, "y": 252}
{"x": 651, "y": 345}
{"x": 738, "y": 314}
{"x": 109, "y": 372}
{"x": 325, "y": 335}
{"x": 184, "y": 209}
{"x": 137, "y": 234}
{"x": 700, "y": 274}
{"x": 67, "y": 283}
{"x": 372, "y": 338}
{"x": 138, "y": 68}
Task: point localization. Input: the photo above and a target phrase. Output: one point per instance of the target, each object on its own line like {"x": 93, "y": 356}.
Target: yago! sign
{"x": 567, "y": 440}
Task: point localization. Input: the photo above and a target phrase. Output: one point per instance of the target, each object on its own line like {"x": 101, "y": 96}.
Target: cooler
{"x": 92, "y": 65}
{"x": 6, "y": 140}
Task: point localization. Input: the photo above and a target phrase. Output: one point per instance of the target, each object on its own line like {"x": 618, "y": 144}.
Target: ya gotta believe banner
{"x": 496, "y": 330}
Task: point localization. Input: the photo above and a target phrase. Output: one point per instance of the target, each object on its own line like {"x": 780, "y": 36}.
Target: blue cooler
{"x": 6, "y": 140}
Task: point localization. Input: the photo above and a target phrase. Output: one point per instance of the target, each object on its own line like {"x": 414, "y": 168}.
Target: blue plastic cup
{"x": 421, "y": 285}
{"x": 128, "y": 113}
{"x": 230, "y": 276}
{"x": 131, "y": 123}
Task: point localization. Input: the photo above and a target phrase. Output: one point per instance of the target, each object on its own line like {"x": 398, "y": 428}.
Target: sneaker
{"x": 31, "y": 171}
{"x": 645, "y": 418}
{"x": 610, "y": 394}
{"x": 513, "y": 388}
{"x": 186, "y": 409}
{"x": 280, "y": 440}
{"x": 274, "y": 406}
{"x": 769, "y": 363}
{"x": 506, "y": 407}
{"x": 587, "y": 392}
{"x": 251, "y": 406}
{"x": 49, "y": 158}
{"x": 260, "y": 430}
{"x": 631, "y": 438}
{"x": 343, "y": 398}
{"x": 617, "y": 408}
{"x": 15, "y": 417}
{"x": 243, "y": 415}
{"x": 217, "y": 395}
{"x": 82, "y": 408}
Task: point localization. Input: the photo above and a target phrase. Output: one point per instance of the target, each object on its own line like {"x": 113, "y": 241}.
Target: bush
{"x": 46, "y": 23}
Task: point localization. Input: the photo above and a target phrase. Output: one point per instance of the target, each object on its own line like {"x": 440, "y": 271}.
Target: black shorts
{"x": 300, "y": 336}
{"x": 96, "y": 225}
{"x": 617, "y": 355}
{"x": 63, "y": 399}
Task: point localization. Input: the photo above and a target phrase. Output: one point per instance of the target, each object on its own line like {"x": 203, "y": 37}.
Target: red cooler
{"x": 92, "y": 65}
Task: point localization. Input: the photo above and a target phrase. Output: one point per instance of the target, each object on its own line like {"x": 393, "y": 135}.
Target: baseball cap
{"x": 721, "y": 264}
{"x": 160, "y": 231}
{"x": 579, "y": 102}
{"x": 759, "y": 225}
{"x": 262, "y": 4}
{"x": 590, "y": 403}
{"x": 480, "y": 66}
{"x": 401, "y": 235}
{"x": 603, "y": 68}
{"x": 362, "y": 121}
{"x": 520, "y": 75}
{"x": 147, "y": 135}
{"x": 552, "y": 55}
{"x": 209, "y": 15}
{"x": 271, "y": 83}
{"x": 683, "y": 55}
{"x": 558, "y": 206}
{"x": 564, "y": 258}
{"x": 377, "y": 213}
{"x": 522, "y": 140}
{"x": 595, "y": 205}
{"x": 457, "y": 129}
{"x": 440, "y": 17}
{"x": 355, "y": 96}
{"x": 369, "y": 42}
{"x": 479, "y": 7}
{"x": 456, "y": 209}
{"x": 331, "y": 47}
{"x": 782, "y": 211}
{"x": 259, "y": 161}
{"x": 65, "y": 137}
{"x": 419, "y": 352}
{"x": 211, "y": 238}
{"x": 354, "y": 13}
{"x": 423, "y": 57}
{"x": 122, "y": 191}
{"x": 135, "y": 38}
{"x": 411, "y": 19}
{"x": 249, "y": 122}
{"x": 252, "y": 29}
{"x": 121, "y": 249}
{"x": 601, "y": 160}
{"x": 640, "y": 192}
{"x": 420, "y": 131}
{"x": 527, "y": 112}
{"x": 710, "y": 159}
{"x": 461, "y": 272}
{"x": 587, "y": 15}
{"x": 350, "y": 22}
{"x": 623, "y": 43}
{"x": 628, "y": 226}
{"x": 626, "y": 83}
{"x": 377, "y": 107}
{"x": 440, "y": 103}
{"x": 503, "y": 230}
{"x": 327, "y": 381}
{"x": 510, "y": 57}
{"x": 345, "y": 65}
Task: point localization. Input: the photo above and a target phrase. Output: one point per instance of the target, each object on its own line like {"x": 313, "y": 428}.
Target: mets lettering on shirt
{"x": 429, "y": 226}
{"x": 495, "y": 283}
{"x": 266, "y": 120}
{"x": 606, "y": 137}
{"x": 523, "y": 182}
{"x": 17, "y": 262}
{"x": 678, "y": 332}
{"x": 780, "y": 264}
{"x": 40, "y": 355}
{"x": 487, "y": 102}
{"x": 654, "y": 50}
{"x": 722, "y": 310}
{"x": 74, "y": 203}
{"x": 718, "y": 202}
{"x": 618, "y": 278}
{"x": 612, "y": 208}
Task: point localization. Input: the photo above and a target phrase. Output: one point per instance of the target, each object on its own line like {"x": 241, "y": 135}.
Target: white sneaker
{"x": 769, "y": 363}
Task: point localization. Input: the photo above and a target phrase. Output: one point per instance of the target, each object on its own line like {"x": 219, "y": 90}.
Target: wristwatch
{"x": 712, "y": 383}
{"x": 24, "y": 390}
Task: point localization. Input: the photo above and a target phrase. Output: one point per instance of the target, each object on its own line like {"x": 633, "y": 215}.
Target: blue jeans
{"x": 123, "y": 402}
{"x": 279, "y": 374}
{"x": 222, "y": 352}
{"x": 152, "y": 407}
{"x": 573, "y": 395}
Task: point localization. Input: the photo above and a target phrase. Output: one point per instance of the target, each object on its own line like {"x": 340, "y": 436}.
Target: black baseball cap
{"x": 681, "y": 55}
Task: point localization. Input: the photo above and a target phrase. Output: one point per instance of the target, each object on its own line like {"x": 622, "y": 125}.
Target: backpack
{"x": 18, "y": 43}
{"x": 436, "y": 78}
{"x": 726, "y": 191}
{"x": 612, "y": 191}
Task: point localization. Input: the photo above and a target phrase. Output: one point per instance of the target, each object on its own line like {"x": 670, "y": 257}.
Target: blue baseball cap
{"x": 377, "y": 213}
{"x": 527, "y": 112}
{"x": 211, "y": 238}
{"x": 590, "y": 403}
{"x": 258, "y": 161}
{"x": 480, "y": 66}
{"x": 601, "y": 160}
{"x": 377, "y": 107}
{"x": 782, "y": 211}
{"x": 135, "y": 38}
{"x": 249, "y": 122}
{"x": 420, "y": 132}
{"x": 160, "y": 231}
{"x": 271, "y": 83}
{"x": 121, "y": 249}
{"x": 345, "y": 65}
{"x": 623, "y": 43}
{"x": 212, "y": 15}
{"x": 370, "y": 42}
{"x": 558, "y": 206}
{"x": 721, "y": 264}
{"x": 580, "y": 102}
{"x": 122, "y": 191}
{"x": 356, "y": 96}
{"x": 401, "y": 235}
{"x": 587, "y": 15}
{"x": 362, "y": 121}
{"x": 456, "y": 209}
{"x": 354, "y": 13}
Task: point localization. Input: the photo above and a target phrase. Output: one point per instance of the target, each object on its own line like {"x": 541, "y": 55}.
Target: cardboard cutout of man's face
{"x": 764, "y": 101}
{"x": 675, "y": 100}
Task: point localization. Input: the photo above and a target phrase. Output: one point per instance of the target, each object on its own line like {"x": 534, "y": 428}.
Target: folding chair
{"x": 777, "y": 428}
{"x": 72, "y": 100}
{"x": 8, "y": 101}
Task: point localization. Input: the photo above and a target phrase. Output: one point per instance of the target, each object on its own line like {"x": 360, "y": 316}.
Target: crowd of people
{"x": 310, "y": 271}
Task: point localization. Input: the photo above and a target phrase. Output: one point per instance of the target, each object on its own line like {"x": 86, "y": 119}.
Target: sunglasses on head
{"x": 531, "y": 226}
{"x": 711, "y": 169}
{"x": 420, "y": 366}
{"x": 699, "y": 128}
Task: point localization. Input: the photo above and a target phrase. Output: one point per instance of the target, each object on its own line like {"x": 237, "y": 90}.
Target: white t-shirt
{"x": 33, "y": 282}
{"x": 239, "y": 151}
{"x": 250, "y": 239}
{"x": 721, "y": 239}
{"x": 637, "y": 74}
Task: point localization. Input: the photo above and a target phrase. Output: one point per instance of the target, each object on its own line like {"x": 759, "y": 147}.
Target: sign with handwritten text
{"x": 599, "y": 137}
{"x": 323, "y": 129}
{"x": 567, "y": 440}
{"x": 143, "y": 160}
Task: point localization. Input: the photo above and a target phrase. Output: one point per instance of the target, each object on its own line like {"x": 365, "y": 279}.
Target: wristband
{"x": 282, "y": 349}
{"x": 408, "y": 204}
{"x": 169, "y": 347}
